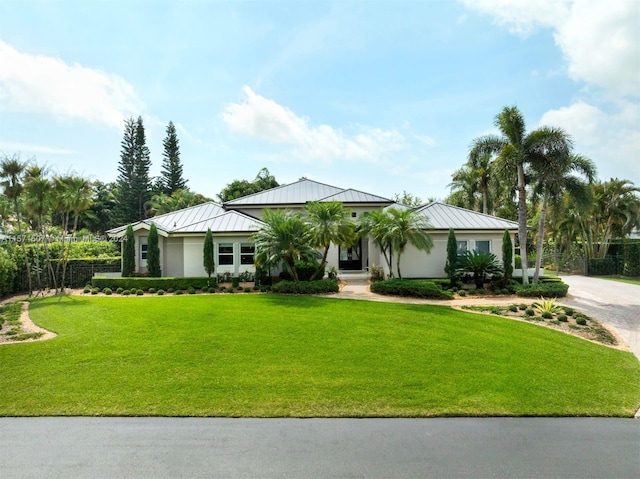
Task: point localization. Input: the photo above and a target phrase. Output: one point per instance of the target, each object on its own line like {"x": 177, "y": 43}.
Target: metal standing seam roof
{"x": 228, "y": 222}
{"x": 300, "y": 192}
{"x": 355, "y": 196}
{"x": 443, "y": 216}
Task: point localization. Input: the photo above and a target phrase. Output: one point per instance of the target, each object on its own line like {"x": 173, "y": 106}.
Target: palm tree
{"x": 11, "y": 170}
{"x": 285, "y": 238}
{"x": 376, "y": 225}
{"x": 515, "y": 150}
{"x": 552, "y": 175}
{"x": 331, "y": 224}
{"x": 476, "y": 178}
{"x": 408, "y": 227}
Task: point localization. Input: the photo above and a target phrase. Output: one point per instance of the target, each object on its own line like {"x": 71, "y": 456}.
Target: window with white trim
{"x": 483, "y": 246}
{"x": 225, "y": 254}
{"x": 143, "y": 248}
{"x": 462, "y": 246}
{"x": 247, "y": 251}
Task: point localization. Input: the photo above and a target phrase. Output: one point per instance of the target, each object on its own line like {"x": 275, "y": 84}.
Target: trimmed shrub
{"x": 152, "y": 290}
{"x": 235, "y": 282}
{"x": 562, "y": 318}
{"x": 322, "y": 286}
{"x": 170, "y": 290}
{"x": 161, "y": 292}
{"x": 191, "y": 290}
{"x": 95, "y": 290}
{"x": 581, "y": 321}
{"x": 522, "y": 306}
{"x": 165, "y": 283}
{"x": 126, "y": 292}
{"x": 139, "y": 292}
{"x": 546, "y": 315}
{"x": 513, "y": 308}
{"x": 569, "y": 311}
{"x": 179, "y": 291}
{"x": 529, "y": 312}
{"x": 410, "y": 288}
{"x": 462, "y": 293}
{"x": 119, "y": 290}
{"x": 87, "y": 289}
{"x": 556, "y": 289}
{"x": 107, "y": 291}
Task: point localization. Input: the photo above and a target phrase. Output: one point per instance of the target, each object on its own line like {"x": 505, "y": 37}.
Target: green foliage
{"x": 152, "y": 290}
{"x": 507, "y": 256}
{"x": 139, "y": 292}
{"x": 95, "y": 290}
{"x": 171, "y": 178}
{"x": 134, "y": 186}
{"x": 153, "y": 253}
{"x": 321, "y": 286}
{"x": 377, "y": 272}
{"x": 462, "y": 293}
{"x": 529, "y": 312}
{"x": 513, "y": 308}
{"x": 305, "y": 269}
{"x": 119, "y": 290}
{"x": 411, "y": 288}
{"x": 451, "y": 265}
{"x": 145, "y": 283}
{"x": 546, "y": 306}
{"x": 179, "y": 292}
{"x": 239, "y": 188}
{"x": 481, "y": 264}
{"x": 208, "y": 259}
{"x": 107, "y": 291}
{"x": 562, "y": 318}
{"x": 126, "y": 292}
{"x": 161, "y": 292}
{"x": 581, "y": 321}
{"x": 8, "y": 269}
{"x": 191, "y": 290}
{"x": 87, "y": 289}
{"x": 128, "y": 253}
{"x": 546, "y": 290}
{"x": 631, "y": 254}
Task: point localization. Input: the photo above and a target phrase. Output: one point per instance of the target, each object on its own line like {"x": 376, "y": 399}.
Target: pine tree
{"x": 507, "y": 256}
{"x": 125, "y": 211}
{"x": 452, "y": 257}
{"x": 153, "y": 253}
{"x": 208, "y": 257}
{"x": 128, "y": 253}
{"x": 171, "y": 176}
{"x": 141, "y": 164}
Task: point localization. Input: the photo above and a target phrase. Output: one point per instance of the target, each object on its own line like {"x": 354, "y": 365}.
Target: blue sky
{"x": 373, "y": 95}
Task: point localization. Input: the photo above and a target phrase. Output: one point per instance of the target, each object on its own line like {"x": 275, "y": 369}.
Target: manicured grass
{"x": 272, "y": 355}
{"x": 621, "y": 279}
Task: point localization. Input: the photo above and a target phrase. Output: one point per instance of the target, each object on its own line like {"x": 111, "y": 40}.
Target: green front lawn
{"x": 621, "y": 279}
{"x": 271, "y": 355}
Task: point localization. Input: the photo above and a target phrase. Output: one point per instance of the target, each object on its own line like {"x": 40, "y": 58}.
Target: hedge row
{"x": 556, "y": 289}
{"x": 157, "y": 283}
{"x": 411, "y": 288}
{"x": 306, "y": 287}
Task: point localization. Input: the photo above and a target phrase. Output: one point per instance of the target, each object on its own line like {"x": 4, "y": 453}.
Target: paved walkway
{"x": 614, "y": 304}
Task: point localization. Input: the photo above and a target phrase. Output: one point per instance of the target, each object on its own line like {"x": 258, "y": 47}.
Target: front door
{"x": 351, "y": 257}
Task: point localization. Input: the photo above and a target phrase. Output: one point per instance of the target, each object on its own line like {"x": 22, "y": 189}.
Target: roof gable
{"x": 443, "y": 216}
{"x": 355, "y": 196}
{"x": 228, "y": 222}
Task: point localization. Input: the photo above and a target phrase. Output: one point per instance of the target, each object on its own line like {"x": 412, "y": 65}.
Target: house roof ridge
{"x": 235, "y": 200}
{"x": 357, "y": 191}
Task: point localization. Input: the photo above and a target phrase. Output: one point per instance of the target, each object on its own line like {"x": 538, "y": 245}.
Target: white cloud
{"x": 260, "y": 117}
{"x": 611, "y": 140}
{"x": 41, "y": 84}
{"x": 597, "y": 37}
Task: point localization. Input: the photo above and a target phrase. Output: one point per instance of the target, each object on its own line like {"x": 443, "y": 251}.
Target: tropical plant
{"x": 408, "y": 227}
{"x": 330, "y": 223}
{"x": 128, "y": 253}
{"x": 481, "y": 264}
{"x": 376, "y": 225}
{"x": 515, "y": 150}
{"x": 284, "y": 239}
{"x": 11, "y": 170}
{"x": 546, "y": 306}
{"x": 208, "y": 255}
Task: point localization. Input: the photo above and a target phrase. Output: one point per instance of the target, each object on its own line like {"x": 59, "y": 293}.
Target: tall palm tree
{"x": 515, "y": 149}
{"x": 285, "y": 238}
{"x": 552, "y": 176}
{"x": 408, "y": 227}
{"x": 331, "y": 224}
{"x": 376, "y": 225}
{"x": 11, "y": 170}
{"x": 38, "y": 190}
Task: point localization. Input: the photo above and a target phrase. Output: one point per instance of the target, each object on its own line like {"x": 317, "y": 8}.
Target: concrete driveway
{"x": 612, "y": 303}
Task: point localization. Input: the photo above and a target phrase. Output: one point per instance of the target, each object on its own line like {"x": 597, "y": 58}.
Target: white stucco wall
{"x": 173, "y": 257}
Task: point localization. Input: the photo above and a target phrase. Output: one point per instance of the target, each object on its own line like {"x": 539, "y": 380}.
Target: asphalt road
{"x": 611, "y": 302}
{"x": 158, "y": 448}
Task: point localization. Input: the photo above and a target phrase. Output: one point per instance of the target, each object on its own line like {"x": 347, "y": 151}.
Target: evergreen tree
{"x": 452, "y": 257}
{"x": 128, "y": 253}
{"x": 208, "y": 256}
{"x": 507, "y": 256}
{"x": 141, "y": 165}
{"x": 153, "y": 253}
{"x": 125, "y": 211}
{"x": 171, "y": 176}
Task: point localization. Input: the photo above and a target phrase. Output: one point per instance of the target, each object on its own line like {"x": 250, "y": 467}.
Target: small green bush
{"x": 410, "y": 288}
{"x": 191, "y": 290}
{"x": 513, "y": 308}
{"x": 529, "y": 312}
{"x": 212, "y": 290}
{"x": 522, "y": 306}
{"x": 546, "y": 290}
{"x": 161, "y": 292}
{"x": 562, "y": 318}
{"x": 462, "y": 293}
{"x": 569, "y": 311}
{"x": 322, "y": 286}
{"x": 126, "y": 292}
{"x": 139, "y": 292}
{"x": 546, "y": 315}
{"x": 170, "y": 290}
{"x": 95, "y": 290}
{"x": 235, "y": 282}
{"x": 119, "y": 290}
{"x": 152, "y": 290}
{"x": 87, "y": 289}
{"x": 179, "y": 291}
{"x": 581, "y": 321}
{"x": 165, "y": 283}
{"x": 107, "y": 291}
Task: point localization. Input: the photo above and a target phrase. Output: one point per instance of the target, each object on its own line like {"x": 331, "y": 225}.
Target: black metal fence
{"x": 78, "y": 274}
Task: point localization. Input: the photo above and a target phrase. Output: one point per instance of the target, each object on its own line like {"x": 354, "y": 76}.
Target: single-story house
{"x": 181, "y": 233}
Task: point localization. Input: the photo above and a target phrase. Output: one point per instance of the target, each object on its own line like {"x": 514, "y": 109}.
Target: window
{"x": 483, "y": 246}
{"x": 143, "y": 247}
{"x": 462, "y": 247}
{"x": 225, "y": 254}
{"x": 246, "y": 253}
{"x": 354, "y": 214}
